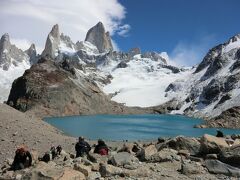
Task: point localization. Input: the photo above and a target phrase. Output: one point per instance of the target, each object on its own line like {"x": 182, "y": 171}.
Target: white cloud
{"x": 33, "y": 19}
{"x": 189, "y": 54}
{"x": 123, "y": 30}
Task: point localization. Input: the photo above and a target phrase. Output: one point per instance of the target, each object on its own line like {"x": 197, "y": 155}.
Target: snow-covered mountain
{"x": 214, "y": 86}
{"x": 140, "y": 79}
{"x": 13, "y": 63}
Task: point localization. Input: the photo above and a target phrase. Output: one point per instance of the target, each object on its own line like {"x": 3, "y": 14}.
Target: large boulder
{"x": 123, "y": 158}
{"x": 44, "y": 170}
{"x": 109, "y": 171}
{"x": 217, "y": 167}
{"x": 212, "y": 145}
{"x": 231, "y": 156}
{"x": 86, "y": 170}
{"x": 191, "y": 167}
{"x": 145, "y": 153}
{"x": 181, "y": 143}
{"x": 164, "y": 155}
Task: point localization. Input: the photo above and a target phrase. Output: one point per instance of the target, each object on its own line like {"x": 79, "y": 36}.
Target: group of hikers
{"x": 23, "y": 157}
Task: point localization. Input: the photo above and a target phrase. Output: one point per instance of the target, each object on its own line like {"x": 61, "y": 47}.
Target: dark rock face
{"x": 172, "y": 68}
{"x": 98, "y": 37}
{"x": 229, "y": 118}
{"x": 216, "y": 65}
{"x": 209, "y": 58}
{"x": 122, "y": 65}
{"x": 212, "y": 91}
{"x": 50, "y": 88}
{"x": 154, "y": 56}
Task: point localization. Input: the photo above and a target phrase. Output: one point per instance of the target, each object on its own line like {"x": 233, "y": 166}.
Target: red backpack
{"x": 103, "y": 151}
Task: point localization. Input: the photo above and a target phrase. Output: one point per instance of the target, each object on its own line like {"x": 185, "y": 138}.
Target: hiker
{"x": 82, "y": 147}
{"x": 59, "y": 149}
{"x": 219, "y": 133}
{"x": 22, "y": 159}
{"x": 52, "y": 154}
{"x": 101, "y": 148}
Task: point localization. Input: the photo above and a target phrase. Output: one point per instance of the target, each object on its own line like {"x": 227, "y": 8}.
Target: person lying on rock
{"x": 82, "y": 147}
{"x": 22, "y": 159}
{"x": 101, "y": 148}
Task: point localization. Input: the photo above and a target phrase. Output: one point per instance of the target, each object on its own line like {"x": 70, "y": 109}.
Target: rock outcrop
{"x": 50, "y": 88}
{"x": 98, "y": 37}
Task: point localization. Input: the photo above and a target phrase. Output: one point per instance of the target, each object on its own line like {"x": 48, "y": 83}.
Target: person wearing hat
{"x": 22, "y": 159}
{"x": 82, "y": 147}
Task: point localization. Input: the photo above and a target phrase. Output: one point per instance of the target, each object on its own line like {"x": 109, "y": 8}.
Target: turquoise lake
{"x": 131, "y": 127}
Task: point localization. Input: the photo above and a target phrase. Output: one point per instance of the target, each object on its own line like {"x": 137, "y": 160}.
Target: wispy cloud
{"x": 124, "y": 30}
{"x": 33, "y": 19}
{"x": 191, "y": 53}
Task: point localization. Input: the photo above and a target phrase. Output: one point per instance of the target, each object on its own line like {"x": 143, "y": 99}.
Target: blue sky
{"x": 179, "y": 26}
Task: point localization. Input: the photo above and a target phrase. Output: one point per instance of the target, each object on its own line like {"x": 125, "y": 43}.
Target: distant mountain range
{"x": 96, "y": 73}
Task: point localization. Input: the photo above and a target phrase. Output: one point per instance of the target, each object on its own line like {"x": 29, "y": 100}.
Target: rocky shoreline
{"x": 207, "y": 157}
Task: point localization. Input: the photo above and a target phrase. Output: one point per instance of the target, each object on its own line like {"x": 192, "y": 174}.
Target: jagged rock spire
{"x": 98, "y": 37}
{"x": 32, "y": 53}
{"x": 52, "y": 42}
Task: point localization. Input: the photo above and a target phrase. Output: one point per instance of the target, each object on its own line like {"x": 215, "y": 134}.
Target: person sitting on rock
{"x": 22, "y": 159}
{"x": 82, "y": 147}
{"x": 219, "y": 133}
{"x": 101, "y": 148}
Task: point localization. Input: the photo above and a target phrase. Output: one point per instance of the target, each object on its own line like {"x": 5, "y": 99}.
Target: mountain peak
{"x": 55, "y": 31}
{"x": 98, "y": 37}
{"x": 52, "y": 42}
{"x": 5, "y": 42}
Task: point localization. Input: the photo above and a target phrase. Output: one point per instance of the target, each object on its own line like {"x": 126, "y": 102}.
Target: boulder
{"x": 231, "y": 156}
{"x": 211, "y": 156}
{"x": 123, "y": 158}
{"x": 164, "y": 155}
{"x": 212, "y": 145}
{"x": 217, "y": 167}
{"x": 71, "y": 174}
{"x": 191, "y": 167}
{"x": 181, "y": 143}
{"x": 145, "y": 153}
{"x": 109, "y": 170}
{"x": 86, "y": 170}
{"x": 44, "y": 171}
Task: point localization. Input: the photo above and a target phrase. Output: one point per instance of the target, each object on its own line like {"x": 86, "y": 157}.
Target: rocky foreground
{"x": 207, "y": 157}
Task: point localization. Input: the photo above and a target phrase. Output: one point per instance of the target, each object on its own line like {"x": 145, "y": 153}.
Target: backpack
{"x": 103, "y": 151}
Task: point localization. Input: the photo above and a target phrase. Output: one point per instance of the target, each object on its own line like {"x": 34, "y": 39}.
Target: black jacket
{"x": 82, "y": 148}
{"x": 22, "y": 159}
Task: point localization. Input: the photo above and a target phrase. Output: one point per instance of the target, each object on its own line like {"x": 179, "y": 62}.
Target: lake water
{"x": 131, "y": 127}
